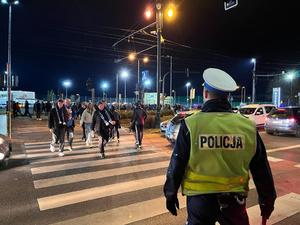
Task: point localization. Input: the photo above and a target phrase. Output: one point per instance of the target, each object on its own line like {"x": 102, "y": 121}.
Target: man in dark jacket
{"x": 27, "y": 113}
{"x": 57, "y": 125}
{"x": 70, "y": 123}
{"x": 100, "y": 125}
{"x": 138, "y": 120}
{"x": 214, "y": 151}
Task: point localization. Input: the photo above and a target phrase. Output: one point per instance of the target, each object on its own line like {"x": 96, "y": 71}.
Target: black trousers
{"x": 83, "y": 132}
{"x": 210, "y": 208}
{"x": 139, "y": 134}
{"x": 27, "y": 113}
{"x": 58, "y": 136}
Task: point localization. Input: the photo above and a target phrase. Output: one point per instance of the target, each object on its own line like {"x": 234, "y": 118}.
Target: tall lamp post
{"x": 290, "y": 76}
{"x": 104, "y": 87}
{"x": 188, "y": 84}
{"x": 253, "y": 60}
{"x": 67, "y": 84}
{"x": 9, "y": 97}
{"x": 133, "y": 57}
{"x": 125, "y": 75}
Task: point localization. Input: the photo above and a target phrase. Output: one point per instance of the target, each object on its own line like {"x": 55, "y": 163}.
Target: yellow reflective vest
{"x": 222, "y": 146}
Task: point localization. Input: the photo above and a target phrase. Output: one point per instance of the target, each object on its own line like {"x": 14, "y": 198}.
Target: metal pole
{"x": 253, "y": 81}
{"x": 9, "y": 73}
{"x": 187, "y": 96}
{"x": 171, "y": 74}
{"x": 125, "y": 97}
{"x": 138, "y": 84}
{"x": 291, "y": 101}
{"x": 159, "y": 21}
{"x": 117, "y": 87}
{"x": 66, "y": 92}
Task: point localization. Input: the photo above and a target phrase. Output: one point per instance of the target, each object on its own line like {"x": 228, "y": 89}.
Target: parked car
{"x": 284, "y": 121}
{"x": 5, "y": 149}
{"x": 163, "y": 126}
{"x": 257, "y": 112}
{"x": 174, "y": 125}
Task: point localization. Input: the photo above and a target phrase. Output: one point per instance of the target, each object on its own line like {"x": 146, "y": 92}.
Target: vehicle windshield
{"x": 281, "y": 113}
{"x": 247, "y": 111}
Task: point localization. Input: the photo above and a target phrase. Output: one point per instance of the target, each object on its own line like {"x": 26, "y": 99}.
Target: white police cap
{"x": 218, "y": 81}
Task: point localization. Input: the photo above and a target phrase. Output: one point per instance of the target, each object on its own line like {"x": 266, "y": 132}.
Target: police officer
{"x": 214, "y": 151}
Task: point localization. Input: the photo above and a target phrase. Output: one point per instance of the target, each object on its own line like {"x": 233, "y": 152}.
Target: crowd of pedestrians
{"x": 95, "y": 120}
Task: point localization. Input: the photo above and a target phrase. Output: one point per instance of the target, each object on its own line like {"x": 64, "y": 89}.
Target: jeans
{"x": 87, "y": 128}
{"x": 70, "y": 135}
{"x": 139, "y": 134}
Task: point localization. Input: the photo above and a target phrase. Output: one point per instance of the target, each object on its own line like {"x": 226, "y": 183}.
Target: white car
{"x": 257, "y": 112}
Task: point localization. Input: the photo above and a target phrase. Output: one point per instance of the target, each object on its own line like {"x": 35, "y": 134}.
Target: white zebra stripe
{"x": 93, "y": 163}
{"x": 55, "y": 181}
{"x": 69, "y": 198}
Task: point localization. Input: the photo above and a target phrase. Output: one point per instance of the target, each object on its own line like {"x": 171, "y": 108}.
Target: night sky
{"x": 72, "y": 39}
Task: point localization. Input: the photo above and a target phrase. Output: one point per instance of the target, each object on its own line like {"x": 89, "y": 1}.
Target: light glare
{"x": 67, "y": 83}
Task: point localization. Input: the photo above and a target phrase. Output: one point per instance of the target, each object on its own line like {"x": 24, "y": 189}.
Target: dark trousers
{"x": 83, "y": 132}
{"x": 70, "y": 135}
{"x": 139, "y": 134}
{"x": 58, "y": 136}
{"x": 210, "y": 208}
{"x": 102, "y": 142}
{"x": 117, "y": 131}
{"x": 27, "y": 113}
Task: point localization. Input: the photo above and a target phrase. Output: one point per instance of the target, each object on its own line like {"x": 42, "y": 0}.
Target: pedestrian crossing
{"x": 124, "y": 188}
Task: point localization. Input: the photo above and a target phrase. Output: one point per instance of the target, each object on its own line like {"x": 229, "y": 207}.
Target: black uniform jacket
{"x": 259, "y": 165}
{"x": 99, "y": 125}
{"x": 54, "y": 122}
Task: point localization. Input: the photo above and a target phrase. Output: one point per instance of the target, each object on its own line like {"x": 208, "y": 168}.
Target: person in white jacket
{"x": 87, "y": 119}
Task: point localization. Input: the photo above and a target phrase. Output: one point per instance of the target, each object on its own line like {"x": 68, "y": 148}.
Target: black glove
{"x": 266, "y": 209}
{"x": 171, "y": 204}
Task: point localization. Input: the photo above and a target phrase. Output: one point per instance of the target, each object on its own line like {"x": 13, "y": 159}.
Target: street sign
{"x": 192, "y": 93}
{"x": 276, "y": 96}
{"x": 229, "y": 4}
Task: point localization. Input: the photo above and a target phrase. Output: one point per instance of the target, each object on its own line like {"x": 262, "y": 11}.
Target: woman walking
{"x": 86, "y": 121}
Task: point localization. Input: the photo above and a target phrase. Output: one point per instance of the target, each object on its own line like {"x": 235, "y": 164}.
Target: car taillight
{"x": 292, "y": 119}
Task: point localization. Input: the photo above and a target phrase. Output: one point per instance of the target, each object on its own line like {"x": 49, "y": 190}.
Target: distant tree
{"x": 50, "y": 96}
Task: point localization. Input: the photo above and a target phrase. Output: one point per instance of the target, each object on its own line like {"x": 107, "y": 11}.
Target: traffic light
{"x": 229, "y": 4}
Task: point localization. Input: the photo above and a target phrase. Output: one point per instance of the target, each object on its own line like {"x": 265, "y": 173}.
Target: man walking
{"x": 57, "y": 126}
{"x": 70, "y": 123}
{"x": 27, "y": 113}
{"x": 138, "y": 120}
{"x": 100, "y": 125}
{"x": 214, "y": 151}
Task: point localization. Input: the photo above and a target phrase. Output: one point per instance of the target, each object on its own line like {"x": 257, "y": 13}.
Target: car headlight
{"x": 1, "y": 156}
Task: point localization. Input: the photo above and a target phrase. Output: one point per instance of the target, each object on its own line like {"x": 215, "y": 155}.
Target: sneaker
{"x": 101, "y": 156}
{"x": 52, "y": 148}
{"x": 70, "y": 148}
{"x": 61, "y": 154}
{"x": 118, "y": 140}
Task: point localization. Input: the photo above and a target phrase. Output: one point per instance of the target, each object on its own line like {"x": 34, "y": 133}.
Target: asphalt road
{"x": 40, "y": 188}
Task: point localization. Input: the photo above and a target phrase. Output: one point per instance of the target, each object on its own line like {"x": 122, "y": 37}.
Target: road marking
{"x": 285, "y": 206}
{"x": 55, "y": 181}
{"x": 126, "y": 214}
{"x": 272, "y": 159}
{"x": 92, "y": 163}
{"x": 283, "y": 148}
{"x": 74, "y": 197}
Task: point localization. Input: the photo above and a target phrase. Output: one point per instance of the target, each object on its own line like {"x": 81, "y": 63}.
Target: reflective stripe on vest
{"x": 222, "y": 146}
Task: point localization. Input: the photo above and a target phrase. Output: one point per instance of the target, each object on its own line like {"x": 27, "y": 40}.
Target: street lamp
{"x": 104, "y": 87}
{"x": 253, "y": 60}
{"x": 188, "y": 84}
{"x": 133, "y": 57}
{"x": 67, "y": 84}
{"x": 174, "y": 99}
{"x": 290, "y": 76}
{"x": 10, "y": 4}
{"x": 125, "y": 75}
